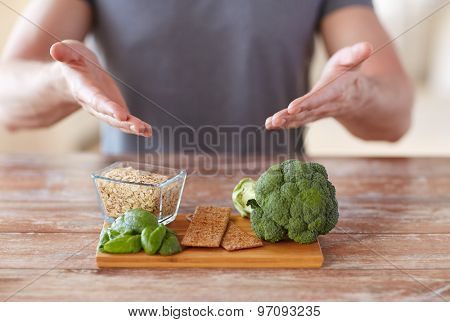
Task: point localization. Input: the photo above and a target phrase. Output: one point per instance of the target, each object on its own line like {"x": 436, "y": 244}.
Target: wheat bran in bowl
{"x": 126, "y": 185}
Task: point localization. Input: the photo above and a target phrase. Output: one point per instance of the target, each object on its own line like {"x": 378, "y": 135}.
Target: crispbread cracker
{"x": 235, "y": 238}
{"x": 207, "y": 227}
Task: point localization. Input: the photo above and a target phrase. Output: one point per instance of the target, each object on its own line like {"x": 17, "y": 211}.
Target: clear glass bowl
{"x": 127, "y": 185}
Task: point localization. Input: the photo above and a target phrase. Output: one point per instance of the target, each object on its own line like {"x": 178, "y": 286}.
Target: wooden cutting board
{"x": 286, "y": 254}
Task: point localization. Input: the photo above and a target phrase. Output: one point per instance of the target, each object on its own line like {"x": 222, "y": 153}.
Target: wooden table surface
{"x": 392, "y": 241}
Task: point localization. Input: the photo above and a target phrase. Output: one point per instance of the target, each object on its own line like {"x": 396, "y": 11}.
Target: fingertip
{"x": 367, "y": 46}
{"x": 268, "y": 123}
{"x": 148, "y": 129}
{"x": 290, "y": 107}
{"x": 362, "y": 50}
{"x": 147, "y": 132}
{"x": 63, "y": 53}
{"x": 293, "y": 109}
{"x": 55, "y": 51}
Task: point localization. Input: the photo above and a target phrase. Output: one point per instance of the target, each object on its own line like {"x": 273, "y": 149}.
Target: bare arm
{"x": 37, "y": 91}
{"x": 33, "y": 92}
{"x": 386, "y": 88}
{"x": 373, "y": 101}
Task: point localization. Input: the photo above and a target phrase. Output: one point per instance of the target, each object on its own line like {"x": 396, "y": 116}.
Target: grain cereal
{"x": 119, "y": 197}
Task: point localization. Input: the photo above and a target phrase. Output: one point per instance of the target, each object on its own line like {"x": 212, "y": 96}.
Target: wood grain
{"x": 376, "y": 214}
{"x": 286, "y": 254}
{"x": 228, "y": 285}
{"x": 392, "y": 241}
{"x": 42, "y": 250}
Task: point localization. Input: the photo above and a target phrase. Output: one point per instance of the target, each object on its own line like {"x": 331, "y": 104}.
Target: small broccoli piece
{"x": 242, "y": 193}
{"x": 295, "y": 198}
{"x": 265, "y": 228}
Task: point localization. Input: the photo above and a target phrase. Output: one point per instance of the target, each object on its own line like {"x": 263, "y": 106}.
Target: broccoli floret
{"x": 265, "y": 228}
{"x": 297, "y": 198}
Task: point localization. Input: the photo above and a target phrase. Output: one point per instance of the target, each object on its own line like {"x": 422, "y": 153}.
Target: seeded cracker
{"x": 235, "y": 238}
{"x": 207, "y": 227}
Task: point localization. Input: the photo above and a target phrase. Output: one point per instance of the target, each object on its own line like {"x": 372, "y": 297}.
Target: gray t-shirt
{"x": 218, "y": 68}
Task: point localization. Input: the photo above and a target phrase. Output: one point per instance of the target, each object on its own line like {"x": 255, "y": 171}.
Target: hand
{"x": 93, "y": 88}
{"x": 338, "y": 93}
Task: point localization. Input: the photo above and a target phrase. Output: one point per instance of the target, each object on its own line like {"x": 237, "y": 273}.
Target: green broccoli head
{"x": 265, "y": 228}
{"x": 298, "y": 197}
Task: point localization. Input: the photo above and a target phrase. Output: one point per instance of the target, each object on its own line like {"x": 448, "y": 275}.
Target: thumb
{"x": 62, "y": 52}
{"x": 347, "y": 58}
{"x": 72, "y": 51}
{"x": 352, "y": 56}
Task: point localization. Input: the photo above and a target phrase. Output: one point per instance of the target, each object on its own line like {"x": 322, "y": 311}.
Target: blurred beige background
{"x": 424, "y": 50}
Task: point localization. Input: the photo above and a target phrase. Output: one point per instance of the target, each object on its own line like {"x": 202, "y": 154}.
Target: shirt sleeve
{"x": 329, "y": 6}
